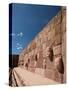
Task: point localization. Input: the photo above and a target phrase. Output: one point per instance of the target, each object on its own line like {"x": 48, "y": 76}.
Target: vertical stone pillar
{"x": 40, "y": 59}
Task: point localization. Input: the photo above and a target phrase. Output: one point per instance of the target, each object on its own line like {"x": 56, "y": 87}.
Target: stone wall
{"x": 46, "y": 54}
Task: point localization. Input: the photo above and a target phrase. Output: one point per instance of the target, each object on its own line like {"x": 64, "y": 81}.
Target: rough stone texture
{"x": 57, "y": 50}
{"x": 22, "y": 77}
{"x": 42, "y": 60}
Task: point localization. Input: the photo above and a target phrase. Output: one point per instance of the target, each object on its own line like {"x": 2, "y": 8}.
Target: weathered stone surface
{"x": 57, "y": 19}
{"x": 44, "y": 49}
{"x": 58, "y": 29}
{"x": 57, "y": 50}
{"x": 57, "y": 39}
{"x": 46, "y": 29}
{"x": 40, "y": 71}
{"x": 49, "y": 73}
{"x": 59, "y": 64}
{"x": 40, "y": 60}
{"x": 63, "y": 24}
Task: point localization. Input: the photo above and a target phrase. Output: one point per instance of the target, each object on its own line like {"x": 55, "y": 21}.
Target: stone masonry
{"x": 46, "y": 54}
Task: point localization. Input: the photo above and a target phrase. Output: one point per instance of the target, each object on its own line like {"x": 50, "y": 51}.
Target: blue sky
{"x": 27, "y": 21}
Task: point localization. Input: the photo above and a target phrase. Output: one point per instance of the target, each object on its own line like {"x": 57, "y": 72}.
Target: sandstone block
{"x": 58, "y": 39}
{"x": 58, "y": 29}
{"x": 63, "y": 25}
{"x": 46, "y": 29}
{"x": 57, "y": 50}
{"x": 58, "y": 19}
{"x": 52, "y": 24}
{"x": 40, "y": 71}
{"x": 51, "y": 34}
{"x": 49, "y": 73}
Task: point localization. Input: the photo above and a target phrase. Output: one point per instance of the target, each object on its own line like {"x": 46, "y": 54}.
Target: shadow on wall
{"x": 13, "y": 62}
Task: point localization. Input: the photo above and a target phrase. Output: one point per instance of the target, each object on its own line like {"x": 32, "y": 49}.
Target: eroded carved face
{"x": 49, "y": 53}
{"x": 59, "y": 64}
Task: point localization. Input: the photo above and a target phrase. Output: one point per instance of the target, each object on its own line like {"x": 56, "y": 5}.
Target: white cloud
{"x": 19, "y": 48}
{"x": 20, "y": 34}
{"x": 18, "y": 44}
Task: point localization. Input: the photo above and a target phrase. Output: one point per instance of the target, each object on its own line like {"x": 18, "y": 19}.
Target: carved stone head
{"x": 59, "y": 65}
{"x": 49, "y": 53}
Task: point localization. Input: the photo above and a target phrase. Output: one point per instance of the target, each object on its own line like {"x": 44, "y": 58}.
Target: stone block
{"x": 44, "y": 49}
{"x": 40, "y": 71}
{"x": 32, "y": 70}
{"x": 49, "y": 73}
{"x": 38, "y": 43}
{"x": 63, "y": 25}
{"x": 51, "y": 34}
{"x": 40, "y": 60}
{"x": 58, "y": 19}
{"x": 58, "y": 29}
{"x": 44, "y": 46}
{"x": 52, "y": 24}
{"x": 57, "y": 39}
{"x": 57, "y": 50}
{"x": 45, "y": 38}
{"x": 57, "y": 76}
{"x": 63, "y": 11}
{"x": 46, "y": 29}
